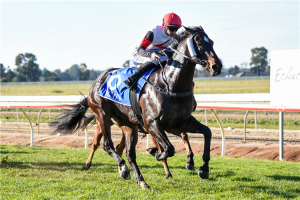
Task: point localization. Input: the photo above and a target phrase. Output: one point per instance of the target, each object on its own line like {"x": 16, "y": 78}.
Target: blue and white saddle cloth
{"x": 114, "y": 89}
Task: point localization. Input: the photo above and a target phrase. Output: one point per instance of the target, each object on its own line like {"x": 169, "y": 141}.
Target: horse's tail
{"x": 70, "y": 121}
{"x": 87, "y": 120}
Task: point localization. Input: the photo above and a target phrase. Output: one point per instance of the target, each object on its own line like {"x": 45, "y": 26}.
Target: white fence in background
{"x": 91, "y": 81}
{"x": 57, "y": 102}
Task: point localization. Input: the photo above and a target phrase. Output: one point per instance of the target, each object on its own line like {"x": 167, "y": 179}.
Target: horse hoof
{"x": 143, "y": 185}
{"x": 190, "y": 167}
{"x": 169, "y": 176}
{"x": 86, "y": 167}
{"x": 124, "y": 172}
{"x": 203, "y": 174}
{"x": 160, "y": 156}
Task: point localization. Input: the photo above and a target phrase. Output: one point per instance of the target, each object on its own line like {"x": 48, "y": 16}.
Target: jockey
{"x": 148, "y": 52}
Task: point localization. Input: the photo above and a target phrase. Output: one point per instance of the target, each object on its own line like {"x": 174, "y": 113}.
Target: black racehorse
{"x": 165, "y": 102}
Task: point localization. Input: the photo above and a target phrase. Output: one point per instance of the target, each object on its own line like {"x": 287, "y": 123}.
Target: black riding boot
{"x": 138, "y": 73}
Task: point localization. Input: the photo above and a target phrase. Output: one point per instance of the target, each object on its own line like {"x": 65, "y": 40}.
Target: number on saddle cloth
{"x": 114, "y": 89}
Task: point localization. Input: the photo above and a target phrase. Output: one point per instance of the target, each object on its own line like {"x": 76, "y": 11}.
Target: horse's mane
{"x": 179, "y": 38}
{"x": 182, "y": 34}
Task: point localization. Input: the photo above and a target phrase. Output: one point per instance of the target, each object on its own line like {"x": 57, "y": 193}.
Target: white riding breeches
{"x": 137, "y": 60}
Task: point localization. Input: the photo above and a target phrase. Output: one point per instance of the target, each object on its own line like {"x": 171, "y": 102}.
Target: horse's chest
{"x": 174, "y": 112}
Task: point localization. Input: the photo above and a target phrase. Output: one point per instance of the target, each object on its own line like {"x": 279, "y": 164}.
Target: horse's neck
{"x": 180, "y": 73}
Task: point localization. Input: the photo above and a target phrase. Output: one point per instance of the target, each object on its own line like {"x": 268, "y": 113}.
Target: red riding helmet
{"x": 171, "y": 19}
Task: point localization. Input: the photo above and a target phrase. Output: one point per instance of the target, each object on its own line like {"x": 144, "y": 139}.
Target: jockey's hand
{"x": 155, "y": 56}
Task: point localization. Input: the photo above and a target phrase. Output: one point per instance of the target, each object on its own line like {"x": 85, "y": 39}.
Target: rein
{"x": 167, "y": 92}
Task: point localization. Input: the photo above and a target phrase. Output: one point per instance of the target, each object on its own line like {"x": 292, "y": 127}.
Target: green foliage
{"x": 27, "y": 67}
{"x": 2, "y": 70}
{"x": 263, "y": 123}
{"x": 50, "y": 76}
{"x": 74, "y": 72}
{"x": 16, "y": 79}
{"x": 2, "y": 80}
{"x": 94, "y": 74}
{"x": 54, "y": 173}
{"x": 84, "y": 72}
{"x": 10, "y": 75}
{"x": 259, "y": 60}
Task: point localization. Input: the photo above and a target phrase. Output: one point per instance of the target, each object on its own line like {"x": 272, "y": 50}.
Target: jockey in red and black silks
{"x": 145, "y": 54}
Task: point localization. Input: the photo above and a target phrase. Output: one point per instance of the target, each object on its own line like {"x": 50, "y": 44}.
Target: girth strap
{"x": 136, "y": 109}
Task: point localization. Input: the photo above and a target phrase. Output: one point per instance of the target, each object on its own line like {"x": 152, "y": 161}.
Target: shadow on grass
{"x": 13, "y": 152}
{"x": 288, "y": 178}
{"x": 225, "y": 174}
{"x": 243, "y": 179}
{"x": 291, "y": 193}
{"x": 54, "y": 166}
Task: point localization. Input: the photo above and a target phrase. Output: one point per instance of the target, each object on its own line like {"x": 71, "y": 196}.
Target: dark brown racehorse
{"x": 153, "y": 150}
{"x": 162, "y": 111}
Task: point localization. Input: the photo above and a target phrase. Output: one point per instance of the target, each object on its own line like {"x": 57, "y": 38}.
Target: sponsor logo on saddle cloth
{"x": 114, "y": 89}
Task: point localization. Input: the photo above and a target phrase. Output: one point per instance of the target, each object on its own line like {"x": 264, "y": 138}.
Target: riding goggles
{"x": 173, "y": 28}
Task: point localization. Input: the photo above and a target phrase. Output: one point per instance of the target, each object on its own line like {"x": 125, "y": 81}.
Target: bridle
{"x": 194, "y": 59}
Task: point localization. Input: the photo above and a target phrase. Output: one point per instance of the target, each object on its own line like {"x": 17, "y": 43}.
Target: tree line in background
{"x": 28, "y": 70}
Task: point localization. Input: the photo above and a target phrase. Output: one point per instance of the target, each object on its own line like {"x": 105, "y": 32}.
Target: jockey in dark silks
{"x": 145, "y": 55}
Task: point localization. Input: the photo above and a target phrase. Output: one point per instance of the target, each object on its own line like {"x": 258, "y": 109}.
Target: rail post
{"x": 245, "y": 120}
{"x": 49, "y": 115}
{"x": 38, "y": 121}
{"x": 281, "y": 157}
{"x": 31, "y": 129}
{"x": 255, "y": 119}
{"x": 222, "y": 131}
{"x": 18, "y": 115}
{"x": 148, "y": 141}
{"x": 205, "y": 117}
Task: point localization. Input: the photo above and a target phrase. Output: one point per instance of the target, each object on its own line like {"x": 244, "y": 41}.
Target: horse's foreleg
{"x": 96, "y": 143}
{"x": 164, "y": 162}
{"x": 168, "y": 150}
{"x": 190, "y": 155}
{"x": 131, "y": 138}
{"x": 193, "y": 126}
{"x": 190, "y": 165}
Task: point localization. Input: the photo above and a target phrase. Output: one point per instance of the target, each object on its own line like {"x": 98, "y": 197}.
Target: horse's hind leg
{"x": 121, "y": 146}
{"x": 103, "y": 118}
{"x": 96, "y": 143}
{"x": 131, "y": 138}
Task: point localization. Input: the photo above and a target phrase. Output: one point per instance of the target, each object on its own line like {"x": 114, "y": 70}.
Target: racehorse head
{"x": 201, "y": 49}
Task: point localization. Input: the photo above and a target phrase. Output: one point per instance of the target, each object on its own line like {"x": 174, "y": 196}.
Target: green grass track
{"x": 54, "y": 173}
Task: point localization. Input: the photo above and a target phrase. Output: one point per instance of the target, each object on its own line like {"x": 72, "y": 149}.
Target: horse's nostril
{"x": 215, "y": 68}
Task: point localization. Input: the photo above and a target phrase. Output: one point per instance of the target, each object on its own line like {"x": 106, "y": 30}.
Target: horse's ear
{"x": 211, "y": 42}
{"x": 187, "y": 29}
{"x": 200, "y": 27}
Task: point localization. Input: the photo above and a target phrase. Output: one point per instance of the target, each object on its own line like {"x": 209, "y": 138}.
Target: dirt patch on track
{"x": 233, "y": 149}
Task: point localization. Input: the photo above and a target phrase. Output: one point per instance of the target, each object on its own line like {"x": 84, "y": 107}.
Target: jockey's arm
{"x": 147, "y": 40}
